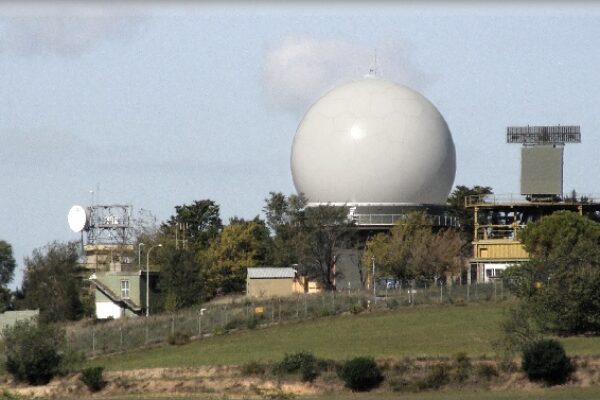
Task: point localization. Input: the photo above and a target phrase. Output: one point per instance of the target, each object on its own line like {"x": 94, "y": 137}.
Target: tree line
{"x": 201, "y": 257}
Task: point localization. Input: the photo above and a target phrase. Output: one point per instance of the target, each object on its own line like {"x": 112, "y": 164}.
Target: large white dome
{"x": 373, "y": 141}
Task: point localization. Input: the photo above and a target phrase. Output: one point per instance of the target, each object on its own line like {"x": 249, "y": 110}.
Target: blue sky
{"x": 155, "y": 105}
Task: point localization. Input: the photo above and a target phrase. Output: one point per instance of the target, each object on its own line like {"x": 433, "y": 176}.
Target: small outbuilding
{"x": 272, "y": 282}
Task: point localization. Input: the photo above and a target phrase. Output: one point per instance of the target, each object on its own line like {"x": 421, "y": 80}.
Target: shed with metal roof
{"x": 272, "y": 282}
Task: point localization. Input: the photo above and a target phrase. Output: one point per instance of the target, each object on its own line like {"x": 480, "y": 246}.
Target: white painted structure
{"x": 108, "y": 309}
{"x": 373, "y": 141}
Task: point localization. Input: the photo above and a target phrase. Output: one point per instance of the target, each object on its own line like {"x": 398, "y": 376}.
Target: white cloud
{"x": 300, "y": 68}
{"x": 65, "y": 31}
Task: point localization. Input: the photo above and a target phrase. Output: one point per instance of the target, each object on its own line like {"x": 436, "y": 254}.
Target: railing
{"x": 519, "y": 199}
{"x": 391, "y": 219}
{"x": 496, "y": 232}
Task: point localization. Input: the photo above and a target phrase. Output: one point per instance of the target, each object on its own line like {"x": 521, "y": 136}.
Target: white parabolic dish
{"x": 77, "y": 218}
{"x": 373, "y": 141}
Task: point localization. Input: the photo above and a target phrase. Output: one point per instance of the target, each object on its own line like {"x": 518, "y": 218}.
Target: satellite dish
{"x": 77, "y": 218}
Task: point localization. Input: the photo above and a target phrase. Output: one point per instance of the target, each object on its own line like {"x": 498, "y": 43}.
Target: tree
{"x": 7, "y": 263}
{"x": 308, "y": 236}
{"x": 326, "y": 229}
{"x": 563, "y": 236}
{"x": 51, "y": 282}
{"x": 7, "y": 269}
{"x": 201, "y": 222}
{"x": 241, "y": 245}
{"x": 181, "y": 280}
{"x": 412, "y": 250}
{"x": 285, "y": 219}
{"x": 33, "y": 352}
{"x": 456, "y": 202}
{"x": 561, "y": 281}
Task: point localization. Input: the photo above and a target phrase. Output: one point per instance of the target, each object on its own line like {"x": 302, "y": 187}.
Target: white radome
{"x": 373, "y": 142}
{"x": 77, "y": 218}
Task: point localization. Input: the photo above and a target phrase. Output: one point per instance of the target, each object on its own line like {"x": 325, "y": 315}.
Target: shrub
{"x": 252, "y": 322}
{"x": 92, "y": 377}
{"x": 178, "y": 339}
{"x": 293, "y": 362}
{"x": 462, "y": 367}
{"x": 309, "y": 370}
{"x": 546, "y": 361}
{"x": 253, "y": 368}
{"x": 486, "y": 371}
{"x": 302, "y": 361}
{"x": 34, "y": 353}
{"x": 360, "y": 374}
{"x": 437, "y": 377}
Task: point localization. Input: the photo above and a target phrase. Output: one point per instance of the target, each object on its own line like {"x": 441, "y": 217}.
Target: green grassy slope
{"x": 422, "y": 331}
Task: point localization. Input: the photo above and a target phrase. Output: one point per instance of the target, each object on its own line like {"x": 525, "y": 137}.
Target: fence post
{"x": 468, "y": 292}
{"x": 173, "y": 324}
{"x": 333, "y": 300}
{"x": 495, "y": 297}
{"x": 93, "y": 341}
{"x": 441, "y": 293}
{"x": 272, "y": 312}
{"x": 279, "y": 300}
{"x": 298, "y": 307}
{"x": 305, "y": 306}
{"x": 200, "y": 324}
{"x": 147, "y": 331}
{"x": 121, "y": 334}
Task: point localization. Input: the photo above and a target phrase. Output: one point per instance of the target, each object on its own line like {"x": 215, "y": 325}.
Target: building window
{"x": 125, "y": 289}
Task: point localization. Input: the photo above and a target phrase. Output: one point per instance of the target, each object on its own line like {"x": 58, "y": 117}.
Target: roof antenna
{"x": 374, "y": 68}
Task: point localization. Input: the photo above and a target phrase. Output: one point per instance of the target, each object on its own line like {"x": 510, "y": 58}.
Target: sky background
{"x": 159, "y": 105}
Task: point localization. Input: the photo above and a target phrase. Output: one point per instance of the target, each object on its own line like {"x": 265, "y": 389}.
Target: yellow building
{"x": 498, "y": 222}
{"x": 276, "y": 282}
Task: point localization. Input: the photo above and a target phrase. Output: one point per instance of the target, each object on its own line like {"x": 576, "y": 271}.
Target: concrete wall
{"x": 113, "y": 282}
{"x": 270, "y": 287}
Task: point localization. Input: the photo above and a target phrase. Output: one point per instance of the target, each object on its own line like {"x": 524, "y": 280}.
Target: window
{"x": 125, "y": 289}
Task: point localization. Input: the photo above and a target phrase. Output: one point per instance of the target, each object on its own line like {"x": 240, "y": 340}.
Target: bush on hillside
{"x": 546, "y": 361}
{"x": 438, "y": 376}
{"x": 93, "y": 379}
{"x": 34, "y": 352}
{"x": 178, "y": 339}
{"x": 360, "y": 374}
{"x": 304, "y": 362}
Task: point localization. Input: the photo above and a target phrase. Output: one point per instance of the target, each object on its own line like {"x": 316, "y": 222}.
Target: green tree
{"x": 181, "y": 280}
{"x": 285, "y": 219}
{"x": 308, "y": 236}
{"x": 201, "y": 222}
{"x": 34, "y": 353}
{"x": 51, "y": 283}
{"x": 561, "y": 282}
{"x": 413, "y": 250}
{"x": 456, "y": 204}
{"x": 7, "y": 269}
{"x": 241, "y": 245}
{"x": 7, "y": 263}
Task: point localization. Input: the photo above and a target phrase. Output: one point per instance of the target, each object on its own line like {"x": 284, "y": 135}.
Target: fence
{"x": 132, "y": 333}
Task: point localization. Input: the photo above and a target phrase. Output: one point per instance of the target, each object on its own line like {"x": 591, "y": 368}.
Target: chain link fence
{"x": 245, "y": 313}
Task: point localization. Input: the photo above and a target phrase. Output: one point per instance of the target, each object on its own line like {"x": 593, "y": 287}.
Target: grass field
{"x": 428, "y": 331}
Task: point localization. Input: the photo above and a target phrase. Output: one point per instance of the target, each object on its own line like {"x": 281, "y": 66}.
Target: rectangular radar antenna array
{"x": 542, "y": 157}
{"x": 543, "y": 135}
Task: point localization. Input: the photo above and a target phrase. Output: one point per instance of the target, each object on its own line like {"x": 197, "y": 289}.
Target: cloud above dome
{"x": 299, "y": 69}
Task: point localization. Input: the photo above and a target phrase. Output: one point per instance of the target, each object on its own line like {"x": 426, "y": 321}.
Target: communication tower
{"x": 108, "y": 231}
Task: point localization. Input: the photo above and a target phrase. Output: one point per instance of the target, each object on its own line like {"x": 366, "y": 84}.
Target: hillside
{"x": 427, "y": 331}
